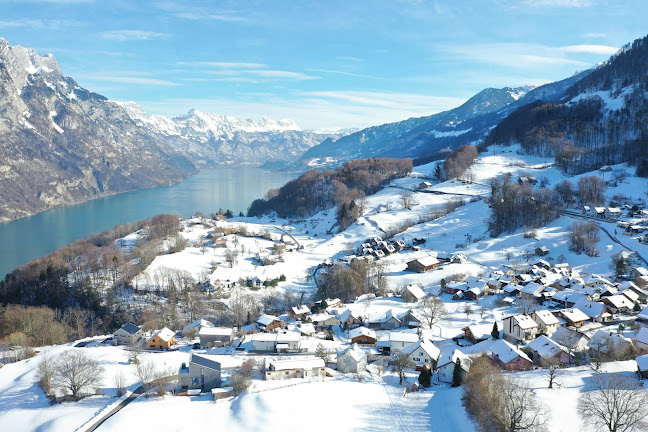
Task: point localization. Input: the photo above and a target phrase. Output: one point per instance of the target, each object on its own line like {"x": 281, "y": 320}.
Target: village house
{"x": 299, "y": 367}
{"x": 350, "y": 319}
{"x": 476, "y": 333}
{"x": 297, "y": 312}
{"x": 423, "y": 265}
{"x": 162, "y": 339}
{"x": 642, "y": 365}
{"x": 281, "y": 342}
{"x": 128, "y": 334}
{"x": 215, "y": 336}
{"x": 351, "y": 360}
{"x": 541, "y": 250}
{"x": 268, "y": 323}
{"x": 520, "y": 327}
{"x": 384, "y": 321}
{"x": 423, "y": 352}
{"x": 305, "y": 329}
{"x": 508, "y": 357}
{"x": 606, "y": 342}
{"x": 202, "y": 374}
{"x": 637, "y": 272}
{"x": 618, "y": 303}
{"x": 445, "y": 368}
{"x": 547, "y": 322}
{"x": 424, "y": 185}
{"x": 413, "y": 293}
{"x": 324, "y": 321}
{"x": 191, "y": 328}
{"x": 546, "y": 350}
{"x": 596, "y": 311}
{"x": 363, "y": 336}
{"x": 400, "y": 340}
{"x": 641, "y": 340}
{"x": 572, "y": 317}
{"x": 572, "y": 339}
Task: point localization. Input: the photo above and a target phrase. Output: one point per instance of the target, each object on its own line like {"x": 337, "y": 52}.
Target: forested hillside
{"x": 601, "y": 120}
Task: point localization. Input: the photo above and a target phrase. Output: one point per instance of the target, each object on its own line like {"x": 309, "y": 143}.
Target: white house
{"x": 423, "y": 352}
{"x": 128, "y": 334}
{"x": 547, "y": 322}
{"x": 352, "y": 359}
{"x": 413, "y": 293}
{"x": 400, "y": 340}
{"x": 300, "y": 367}
{"x": 520, "y": 327}
{"x": 446, "y": 366}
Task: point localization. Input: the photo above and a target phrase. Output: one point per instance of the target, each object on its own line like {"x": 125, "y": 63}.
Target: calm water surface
{"x": 234, "y": 188}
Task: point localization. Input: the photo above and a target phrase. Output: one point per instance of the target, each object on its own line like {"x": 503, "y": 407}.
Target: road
{"x": 136, "y": 393}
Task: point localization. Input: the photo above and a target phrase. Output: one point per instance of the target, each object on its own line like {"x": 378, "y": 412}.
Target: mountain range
{"x": 62, "y": 144}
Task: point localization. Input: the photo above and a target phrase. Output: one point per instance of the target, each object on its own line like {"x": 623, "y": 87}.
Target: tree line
{"x": 318, "y": 190}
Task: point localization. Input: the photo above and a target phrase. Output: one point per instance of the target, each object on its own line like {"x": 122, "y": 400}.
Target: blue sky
{"x": 325, "y": 63}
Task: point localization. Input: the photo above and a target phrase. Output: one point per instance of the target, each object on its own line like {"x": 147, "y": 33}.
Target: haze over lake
{"x": 28, "y": 238}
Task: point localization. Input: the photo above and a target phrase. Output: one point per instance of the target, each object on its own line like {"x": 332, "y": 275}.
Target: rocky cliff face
{"x": 61, "y": 144}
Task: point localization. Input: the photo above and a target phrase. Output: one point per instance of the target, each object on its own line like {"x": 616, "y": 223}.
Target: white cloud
{"x": 127, "y": 79}
{"x": 340, "y": 73}
{"x": 130, "y": 35}
{"x": 230, "y": 65}
{"x": 183, "y": 11}
{"x": 595, "y": 35}
{"x": 558, "y": 3}
{"x": 590, "y": 49}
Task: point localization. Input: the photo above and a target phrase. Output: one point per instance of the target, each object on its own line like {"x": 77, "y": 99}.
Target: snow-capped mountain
{"x": 427, "y": 138}
{"x": 231, "y": 140}
{"x": 62, "y": 144}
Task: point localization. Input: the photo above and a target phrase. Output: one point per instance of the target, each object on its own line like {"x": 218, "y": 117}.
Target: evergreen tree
{"x": 456, "y": 374}
{"x": 495, "y": 331}
{"x": 444, "y": 284}
{"x": 425, "y": 377}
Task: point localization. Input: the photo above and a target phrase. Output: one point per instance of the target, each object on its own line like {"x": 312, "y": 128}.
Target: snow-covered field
{"x": 342, "y": 403}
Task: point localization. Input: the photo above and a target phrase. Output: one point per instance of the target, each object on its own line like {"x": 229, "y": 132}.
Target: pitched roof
{"x": 456, "y": 355}
{"x": 642, "y": 362}
{"x": 574, "y": 315}
{"x": 590, "y": 308}
{"x": 403, "y": 337}
{"x": 131, "y": 328}
{"x": 266, "y": 319}
{"x": 545, "y": 347}
{"x": 205, "y": 362}
{"x": 426, "y": 261}
{"x": 296, "y": 363}
{"x": 215, "y": 331}
{"x": 642, "y": 336}
{"x": 165, "y": 334}
{"x": 506, "y": 352}
{"x": 354, "y": 351}
{"x": 620, "y": 301}
{"x": 415, "y": 290}
{"x": 362, "y": 331}
{"x": 197, "y": 323}
{"x": 546, "y": 317}
{"x": 426, "y": 345}
{"x": 525, "y": 322}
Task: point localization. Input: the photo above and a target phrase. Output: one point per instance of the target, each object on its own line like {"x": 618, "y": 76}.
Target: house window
{"x": 286, "y": 372}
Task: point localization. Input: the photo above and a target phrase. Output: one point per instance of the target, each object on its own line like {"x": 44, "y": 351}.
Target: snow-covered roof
{"x": 415, "y": 291}
{"x": 481, "y": 331}
{"x": 600, "y": 340}
{"x": 525, "y": 322}
{"x": 266, "y": 319}
{"x": 545, "y": 347}
{"x": 642, "y": 362}
{"x": 297, "y": 363}
{"x": 642, "y": 336}
{"x": 427, "y": 261}
{"x": 197, "y": 323}
{"x": 165, "y": 334}
{"x": 299, "y": 310}
{"x": 354, "y": 351}
{"x": 590, "y": 308}
{"x": 362, "y": 331}
{"x": 546, "y": 317}
{"x": 574, "y": 315}
{"x": 506, "y": 352}
{"x": 532, "y": 288}
{"x": 403, "y": 337}
{"x": 569, "y": 337}
{"x": 643, "y": 314}
{"x": 620, "y": 301}
{"x": 426, "y": 345}
{"x": 456, "y": 354}
{"x": 215, "y": 331}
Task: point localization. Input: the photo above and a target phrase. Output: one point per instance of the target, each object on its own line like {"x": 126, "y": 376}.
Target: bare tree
{"x": 615, "y": 403}
{"x": 231, "y": 256}
{"x": 247, "y": 367}
{"x": 468, "y": 310}
{"x": 433, "y": 310}
{"x": 497, "y": 403}
{"x": 554, "y": 370}
{"x": 407, "y": 199}
{"x": 120, "y": 383}
{"x": 45, "y": 373}
{"x": 400, "y": 363}
{"x": 526, "y": 305}
{"x": 76, "y": 372}
{"x": 239, "y": 382}
{"x": 151, "y": 376}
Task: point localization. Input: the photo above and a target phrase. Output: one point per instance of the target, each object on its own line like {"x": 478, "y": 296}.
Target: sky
{"x": 324, "y": 64}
